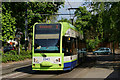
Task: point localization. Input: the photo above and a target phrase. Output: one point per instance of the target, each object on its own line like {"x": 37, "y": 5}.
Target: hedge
{"x": 14, "y": 56}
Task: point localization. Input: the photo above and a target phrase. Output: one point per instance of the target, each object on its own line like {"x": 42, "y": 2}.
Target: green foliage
{"x": 108, "y": 20}
{"x": 23, "y": 52}
{"x": 83, "y": 17}
{"x": 92, "y": 43}
{"x": 65, "y": 20}
{"x": 85, "y": 24}
{"x": 8, "y": 25}
{"x": 113, "y": 20}
{"x": 14, "y": 16}
{"x": 35, "y": 9}
{"x": 12, "y": 52}
{"x": 99, "y": 24}
{"x": 13, "y": 56}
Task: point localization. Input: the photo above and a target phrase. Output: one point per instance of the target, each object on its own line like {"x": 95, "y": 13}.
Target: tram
{"x": 55, "y": 47}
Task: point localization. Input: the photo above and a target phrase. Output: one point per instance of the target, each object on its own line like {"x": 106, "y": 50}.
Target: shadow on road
{"x": 108, "y": 62}
{"x": 88, "y": 63}
{"x": 28, "y": 69}
{"x": 111, "y": 62}
{"x": 115, "y": 75}
{"x": 101, "y": 61}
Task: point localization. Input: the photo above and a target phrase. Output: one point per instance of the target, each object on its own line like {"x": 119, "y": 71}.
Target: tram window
{"x": 63, "y": 45}
{"x": 73, "y": 46}
{"x": 69, "y": 47}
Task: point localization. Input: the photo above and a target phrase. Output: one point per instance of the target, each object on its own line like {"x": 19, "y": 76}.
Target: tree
{"x": 90, "y": 22}
{"x": 8, "y": 25}
{"x": 114, "y": 19}
{"x": 83, "y": 17}
{"x": 34, "y": 9}
{"x": 85, "y": 24}
{"x": 112, "y": 28}
{"x": 104, "y": 22}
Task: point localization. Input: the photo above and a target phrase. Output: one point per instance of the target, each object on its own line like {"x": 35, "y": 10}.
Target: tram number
{"x": 46, "y": 59}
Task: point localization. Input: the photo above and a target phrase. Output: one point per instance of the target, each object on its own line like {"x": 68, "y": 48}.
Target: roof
{"x": 66, "y": 26}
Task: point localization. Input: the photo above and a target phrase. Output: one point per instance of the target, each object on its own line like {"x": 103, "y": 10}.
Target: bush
{"x": 23, "y": 52}
{"x": 12, "y": 52}
{"x": 13, "y": 56}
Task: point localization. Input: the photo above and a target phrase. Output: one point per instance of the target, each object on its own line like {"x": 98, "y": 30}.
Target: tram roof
{"x": 66, "y": 26}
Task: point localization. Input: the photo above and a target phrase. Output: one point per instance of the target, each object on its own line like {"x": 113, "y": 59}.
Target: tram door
{"x": 69, "y": 48}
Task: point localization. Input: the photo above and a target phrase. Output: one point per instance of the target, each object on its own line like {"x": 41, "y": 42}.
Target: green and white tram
{"x": 55, "y": 46}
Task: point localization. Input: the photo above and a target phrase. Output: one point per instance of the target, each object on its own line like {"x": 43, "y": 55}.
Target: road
{"x": 104, "y": 68}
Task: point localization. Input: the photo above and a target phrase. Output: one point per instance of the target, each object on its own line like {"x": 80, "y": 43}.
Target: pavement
{"x": 12, "y": 66}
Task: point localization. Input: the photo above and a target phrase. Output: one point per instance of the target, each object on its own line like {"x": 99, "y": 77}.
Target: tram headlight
{"x": 58, "y": 60}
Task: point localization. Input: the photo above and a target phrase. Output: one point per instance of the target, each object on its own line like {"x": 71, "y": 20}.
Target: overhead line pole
{"x": 26, "y": 28}
{"x": 74, "y": 14}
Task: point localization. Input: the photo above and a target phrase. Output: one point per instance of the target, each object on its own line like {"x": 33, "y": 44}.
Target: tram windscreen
{"x": 47, "y": 38}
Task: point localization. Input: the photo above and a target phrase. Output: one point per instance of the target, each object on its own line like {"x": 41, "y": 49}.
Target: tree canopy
{"x": 100, "y": 23}
{"x": 14, "y": 14}
{"x": 8, "y": 25}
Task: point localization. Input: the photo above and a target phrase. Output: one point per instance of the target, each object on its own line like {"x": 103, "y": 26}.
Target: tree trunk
{"x": 113, "y": 47}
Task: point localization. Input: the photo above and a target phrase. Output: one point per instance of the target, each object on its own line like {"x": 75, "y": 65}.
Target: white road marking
{"x": 14, "y": 75}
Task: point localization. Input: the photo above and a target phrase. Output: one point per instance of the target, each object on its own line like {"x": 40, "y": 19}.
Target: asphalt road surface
{"x": 99, "y": 67}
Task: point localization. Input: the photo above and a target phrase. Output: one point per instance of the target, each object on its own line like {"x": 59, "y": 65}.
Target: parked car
{"x": 102, "y": 51}
{"x": 8, "y": 48}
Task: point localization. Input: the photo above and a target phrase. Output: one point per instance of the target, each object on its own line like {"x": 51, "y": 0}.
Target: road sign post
{"x": 18, "y": 36}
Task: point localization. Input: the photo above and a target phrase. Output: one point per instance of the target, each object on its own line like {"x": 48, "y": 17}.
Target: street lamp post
{"x": 26, "y": 28}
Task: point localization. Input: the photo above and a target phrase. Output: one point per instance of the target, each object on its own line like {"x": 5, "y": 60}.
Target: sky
{"x": 69, "y": 4}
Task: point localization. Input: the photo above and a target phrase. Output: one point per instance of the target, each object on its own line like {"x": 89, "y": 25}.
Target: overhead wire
{"x": 69, "y": 3}
{"x": 70, "y": 12}
{"x": 70, "y": 6}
